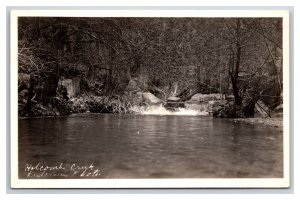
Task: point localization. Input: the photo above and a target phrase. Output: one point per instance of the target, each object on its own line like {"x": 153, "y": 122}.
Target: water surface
{"x": 145, "y": 146}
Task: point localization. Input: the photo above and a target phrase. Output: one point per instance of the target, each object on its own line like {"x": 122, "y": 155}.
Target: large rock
{"x": 201, "y": 107}
{"x": 279, "y": 108}
{"x": 173, "y": 103}
{"x": 205, "y": 97}
{"x": 23, "y": 81}
{"x": 137, "y": 98}
{"x": 72, "y": 86}
{"x": 142, "y": 81}
{"x": 150, "y": 99}
{"x": 278, "y": 111}
{"x": 132, "y": 86}
{"x": 261, "y": 110}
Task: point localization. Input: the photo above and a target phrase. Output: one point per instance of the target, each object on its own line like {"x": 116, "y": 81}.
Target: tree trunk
{"x": 109, "y": 78}
{"x": 50, "y": 88}
{"x": 235, "y": 89}
{"x": 234, "y": 74}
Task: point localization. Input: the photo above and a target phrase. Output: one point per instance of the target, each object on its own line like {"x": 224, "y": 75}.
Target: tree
{"x": 234, "y": 56}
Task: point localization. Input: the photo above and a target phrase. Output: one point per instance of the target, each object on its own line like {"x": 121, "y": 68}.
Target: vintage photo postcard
{"x": 150, "y": 99}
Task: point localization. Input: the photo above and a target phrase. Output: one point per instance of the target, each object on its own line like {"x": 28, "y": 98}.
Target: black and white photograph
{"x": 150, "y": 98}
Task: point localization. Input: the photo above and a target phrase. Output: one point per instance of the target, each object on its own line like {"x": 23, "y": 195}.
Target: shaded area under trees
{"x": 165, "y": 56}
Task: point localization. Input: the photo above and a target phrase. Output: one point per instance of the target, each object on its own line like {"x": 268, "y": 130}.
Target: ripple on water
{"x": 152, "y": 146}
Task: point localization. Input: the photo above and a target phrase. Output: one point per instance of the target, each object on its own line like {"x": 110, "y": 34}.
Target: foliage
{"x": 111, "y": 104}
{"x": 169, "y": 56}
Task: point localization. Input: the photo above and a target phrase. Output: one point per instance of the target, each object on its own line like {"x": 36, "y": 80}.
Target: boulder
{"x": 132, "y": 86}
{"x": 23, "y": 81}
{"x": 201, "y": 107}
{"x": 173, "y": 103}
{"x": 279, "y": 108}
{"x": 261, "y": 110}
{"x": 196, "y": 98}
{"x": 205, "y": 97}
{"x": 142, "y": 82}
{"x": 150, "y": 99}
{"x": 278, "y": 111}
{"x": 137, "y": 98}
{"x": 72, "y": 86}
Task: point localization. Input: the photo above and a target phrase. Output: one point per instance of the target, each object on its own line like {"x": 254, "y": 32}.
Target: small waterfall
{"x": 160, "y": 110}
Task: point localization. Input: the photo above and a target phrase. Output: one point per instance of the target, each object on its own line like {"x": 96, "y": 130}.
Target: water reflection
{"x": 138, "y": 146}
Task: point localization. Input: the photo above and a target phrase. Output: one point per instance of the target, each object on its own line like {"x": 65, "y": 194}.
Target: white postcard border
{"x": 148, "y": 183}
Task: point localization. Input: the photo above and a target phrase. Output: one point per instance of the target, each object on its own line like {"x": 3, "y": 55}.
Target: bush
{"x": 111, "y": 104}
{"x": 229, "y": 110}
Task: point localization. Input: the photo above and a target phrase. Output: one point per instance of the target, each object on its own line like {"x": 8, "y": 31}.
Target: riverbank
{"x": 270, "y": 122}
{"x": 59, "y": 106}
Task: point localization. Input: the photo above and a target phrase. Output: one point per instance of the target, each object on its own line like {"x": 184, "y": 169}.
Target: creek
{"x": 151, "y": 145}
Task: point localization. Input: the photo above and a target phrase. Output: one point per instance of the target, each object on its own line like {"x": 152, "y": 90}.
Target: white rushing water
{"x": 160, "y": 110}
